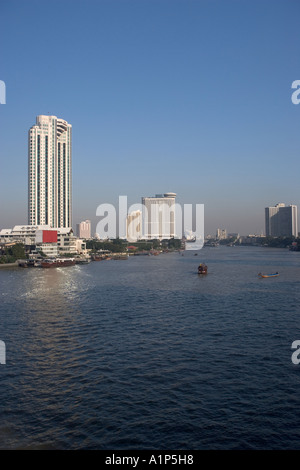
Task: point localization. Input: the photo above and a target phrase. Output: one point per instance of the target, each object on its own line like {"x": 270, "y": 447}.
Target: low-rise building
{"x": 44, "y": 239}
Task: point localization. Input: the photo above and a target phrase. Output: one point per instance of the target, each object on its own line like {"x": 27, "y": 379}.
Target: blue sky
{"x": 189, "y": 96}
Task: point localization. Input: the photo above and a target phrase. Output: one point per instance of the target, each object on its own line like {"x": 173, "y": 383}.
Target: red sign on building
{"x": 49, "y": 236}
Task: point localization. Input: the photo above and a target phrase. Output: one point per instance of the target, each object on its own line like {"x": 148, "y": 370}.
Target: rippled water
{"x": 146, "y": 354}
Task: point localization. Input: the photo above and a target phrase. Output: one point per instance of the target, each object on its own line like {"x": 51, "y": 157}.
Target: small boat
{"x": 268, "y": 275}
{"x": 97, "y": 257}
{"x": 23, "y": 264}
{"x": 83, "y": 260}
{"x": 202, "y": 268}
{"x": 119, "y": 257}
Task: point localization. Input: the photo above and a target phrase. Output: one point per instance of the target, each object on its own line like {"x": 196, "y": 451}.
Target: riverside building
{"x": 281, "y": 221}
{"x": 159, "y": 216}
{"x": 43, "y": 238}
{"x": 49, "y": 172}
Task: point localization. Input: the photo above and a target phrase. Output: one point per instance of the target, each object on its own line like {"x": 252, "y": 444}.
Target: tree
{"x": 13, "y": 253}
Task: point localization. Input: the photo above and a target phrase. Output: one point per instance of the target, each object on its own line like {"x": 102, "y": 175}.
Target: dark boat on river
{"x": 202, "y": 268}
{"x": 57, "y": 262}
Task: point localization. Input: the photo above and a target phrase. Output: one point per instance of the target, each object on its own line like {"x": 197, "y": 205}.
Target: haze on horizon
{"x": 189, "y": 96}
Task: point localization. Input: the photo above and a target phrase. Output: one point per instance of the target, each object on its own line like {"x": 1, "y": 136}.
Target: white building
{"x": 83, "y": 229}
{"x": 221, "y": 234}
{"x": 49, "y": 172}
{"x": 25, "y": 234}
{"x": 43, "y": 238}
{"x": 40, "y": 237}
{"x": 159, "y": 216}
{"x": 281, "y": 221}
{"x": 67, "y": 243}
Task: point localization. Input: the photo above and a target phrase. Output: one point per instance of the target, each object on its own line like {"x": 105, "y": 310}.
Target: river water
{"x": 146, "y": 354}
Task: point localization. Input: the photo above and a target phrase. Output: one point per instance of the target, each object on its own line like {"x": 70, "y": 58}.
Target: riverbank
{"x": 9, "y": 265}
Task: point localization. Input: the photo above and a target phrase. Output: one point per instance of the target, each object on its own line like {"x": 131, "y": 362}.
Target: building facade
{"x": 49, "y": 172}
{"x": 159, "y": 216}
{"x": 43, "y": 238}
{"x": 84, "y": 229}
{"x": 281, "y": 221}
{"x": 221, "y": 234}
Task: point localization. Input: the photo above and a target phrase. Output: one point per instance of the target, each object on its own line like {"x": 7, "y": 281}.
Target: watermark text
{"x": 2, "y": 353}
{"x": 295, "y": 95}
{"x": 2, "y": 92}
{"x": 157, "y": 220}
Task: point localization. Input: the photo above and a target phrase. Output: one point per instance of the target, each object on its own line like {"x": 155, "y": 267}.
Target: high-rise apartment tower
{"x": 49, "y": 172}
{"x": 281, "y": 221}
{"x": 84, "y": 229}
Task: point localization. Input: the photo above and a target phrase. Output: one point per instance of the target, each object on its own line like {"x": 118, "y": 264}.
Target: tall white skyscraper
{"x": 49, "y": 172}
{"x": 281, "y": 221}
{"x": 159, "y": 216}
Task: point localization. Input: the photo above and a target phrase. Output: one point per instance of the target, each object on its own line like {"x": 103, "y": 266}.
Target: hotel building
{"x": 49, "y": 172}
{"x": 281, "y": 221}
{"x": 159, "y": 216}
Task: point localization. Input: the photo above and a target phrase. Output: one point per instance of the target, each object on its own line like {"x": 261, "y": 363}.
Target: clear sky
{"x": 188, "y": 96}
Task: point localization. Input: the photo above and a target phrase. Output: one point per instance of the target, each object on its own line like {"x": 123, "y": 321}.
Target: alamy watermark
{"x": 2, "y": 353}
{"x": 153, "y": 221}
{"x": 295, "y": 356}
{"x": 295, "y": 95}
{"x": 2, "y": 92}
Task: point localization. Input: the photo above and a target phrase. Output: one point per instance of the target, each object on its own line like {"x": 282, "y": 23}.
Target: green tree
{"x": 13, "y": 253}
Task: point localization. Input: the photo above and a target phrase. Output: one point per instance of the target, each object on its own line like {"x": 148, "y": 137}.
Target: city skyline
{"x": 193, "y": 96}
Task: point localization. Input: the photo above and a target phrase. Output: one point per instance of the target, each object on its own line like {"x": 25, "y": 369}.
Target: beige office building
{"x": 84, "y": 229}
